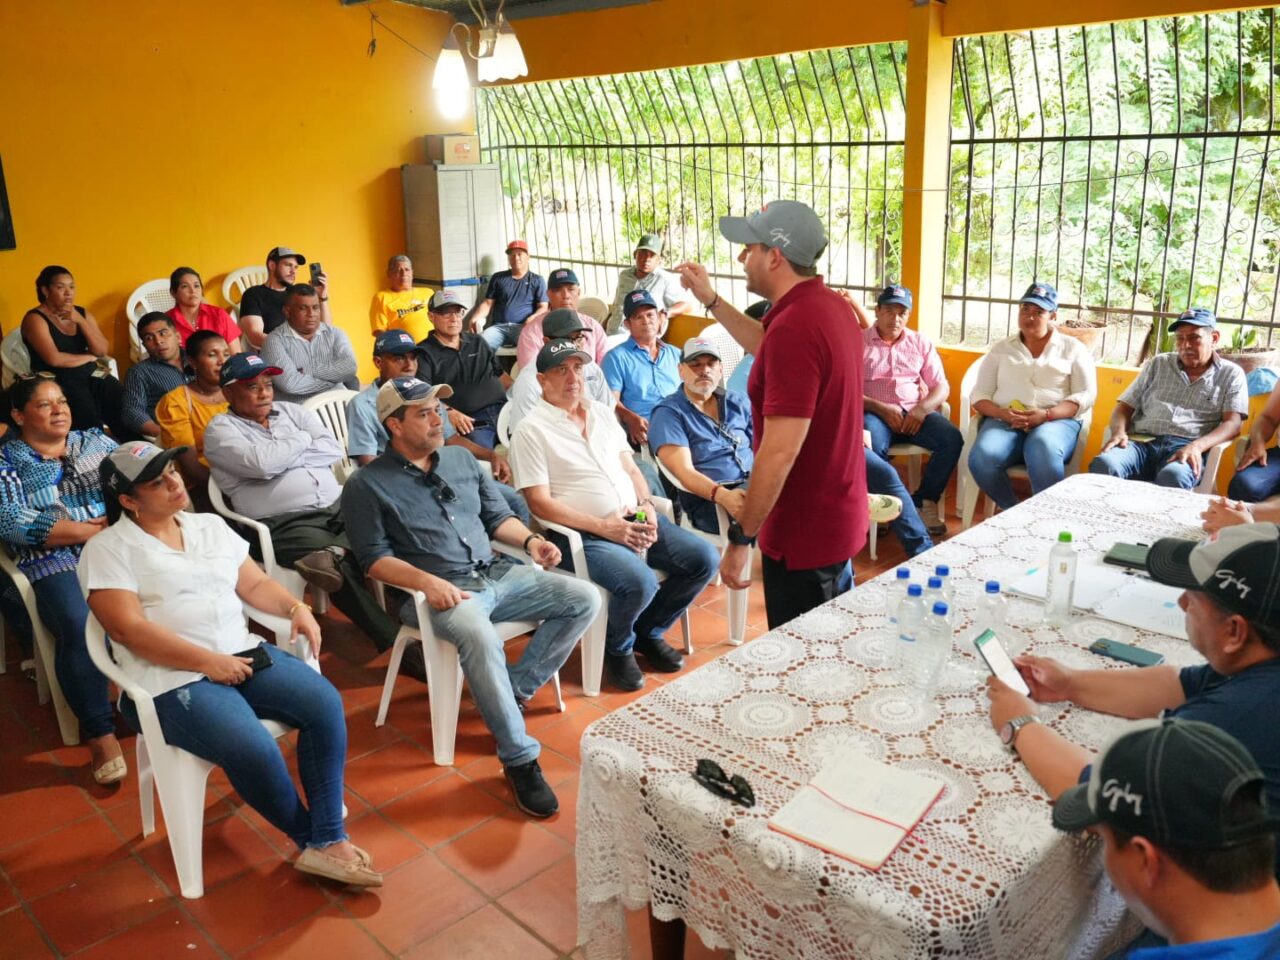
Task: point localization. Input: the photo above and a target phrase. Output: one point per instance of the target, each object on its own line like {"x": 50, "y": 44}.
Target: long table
{"x": 985, "y": 875}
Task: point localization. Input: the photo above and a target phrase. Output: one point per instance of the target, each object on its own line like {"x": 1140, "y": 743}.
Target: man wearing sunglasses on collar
{"x": 421, "y": 517}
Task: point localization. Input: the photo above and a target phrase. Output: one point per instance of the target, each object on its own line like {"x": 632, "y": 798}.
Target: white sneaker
{"x": 932, "y": 522}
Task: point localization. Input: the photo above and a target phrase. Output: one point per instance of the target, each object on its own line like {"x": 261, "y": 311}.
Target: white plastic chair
{"x": 737, "y": 598}
{"x": 593, "y": 639}
{"x": 969, "y": 424}
{"x": 238, "y": 281}
{"x": 16, "y": 357}
{"x": 178, "y": 776}
{"x": 444, "y": 670}
{"x": 731, "y": 352}
{"x": 331, "y": 408}
{"x": 46, "y": 675}
{"x": 915, "y": 454}
{"x": 152, "y": 296}
{"x": 594, "y": 307}
{"x": 288, "y": 578}
{"x": 503, "y": 427}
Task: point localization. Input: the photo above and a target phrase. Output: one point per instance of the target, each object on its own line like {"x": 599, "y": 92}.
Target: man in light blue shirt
{"x": 313, "y": 357}
{"x": 642, "y": 369}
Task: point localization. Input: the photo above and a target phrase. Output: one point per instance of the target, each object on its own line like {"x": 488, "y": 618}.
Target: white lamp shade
{"x": 450, "y": 82}
{"x": 508, "y": 54}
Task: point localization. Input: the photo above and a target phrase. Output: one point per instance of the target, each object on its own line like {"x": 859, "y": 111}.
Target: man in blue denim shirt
{"x": 421, "y": 517}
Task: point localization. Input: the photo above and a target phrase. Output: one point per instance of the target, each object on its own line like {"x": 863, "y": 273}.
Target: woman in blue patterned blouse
{"x": 50, "y": 504}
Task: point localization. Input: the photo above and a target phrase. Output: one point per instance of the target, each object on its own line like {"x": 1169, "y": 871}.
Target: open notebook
{"x": 1115, "y": 594}
{"x": 859, "y": 809}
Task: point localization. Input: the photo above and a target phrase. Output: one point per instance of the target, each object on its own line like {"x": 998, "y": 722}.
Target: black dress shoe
{"x": 532, "y": 793}
{"x": 621, "y": 671}
{"x": 661, "y": 655}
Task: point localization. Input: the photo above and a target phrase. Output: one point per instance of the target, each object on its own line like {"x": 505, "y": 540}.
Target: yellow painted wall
{"x": 141, "y": 135}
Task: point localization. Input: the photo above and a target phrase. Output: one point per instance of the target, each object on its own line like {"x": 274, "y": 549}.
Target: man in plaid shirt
{"x": 1182, "y": 405}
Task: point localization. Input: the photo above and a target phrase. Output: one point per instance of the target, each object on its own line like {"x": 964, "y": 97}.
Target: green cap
{"x": 651, "y": 242}
{"x": 1064, "y": 537}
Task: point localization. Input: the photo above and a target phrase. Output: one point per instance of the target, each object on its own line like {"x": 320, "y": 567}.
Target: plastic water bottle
{"x": 1062, "y": 582}
{"x": 642, "y": 517}
{"x": 933, "y": 592}
{"x": 943, "y": 572}
{"x": 993, "y": 609}
{"x": 932, "y": 650}
{"x": 910, "y": 619}
{"x": 894, "y": 593}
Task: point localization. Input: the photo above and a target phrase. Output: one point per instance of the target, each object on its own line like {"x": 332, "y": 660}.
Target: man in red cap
{"x": 514, "y": 297}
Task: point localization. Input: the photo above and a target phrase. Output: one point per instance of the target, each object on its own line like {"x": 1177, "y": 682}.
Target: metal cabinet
{"x": 453, "y": 221}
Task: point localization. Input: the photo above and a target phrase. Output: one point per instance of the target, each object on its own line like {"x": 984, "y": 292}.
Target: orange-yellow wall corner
{"x": 142, "y": 135}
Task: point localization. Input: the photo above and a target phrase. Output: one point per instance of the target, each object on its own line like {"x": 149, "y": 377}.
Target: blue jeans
{"x": 882, "y": 477}
{"x": 1255, "y": 482}
{"x": 1044, "y": 449}
{"x": 62, "y": 608}
{"x": 219, "y": 723}
{"x": 501, "y": 335}
{"x": 938, "y": 435}
{"x": 639, "y": 605}
{"x": 512, "y": 592}
{"x": 1147, "y": 460}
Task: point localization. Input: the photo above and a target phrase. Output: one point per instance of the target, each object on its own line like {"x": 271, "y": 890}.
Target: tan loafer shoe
{"x": 355, "y": 873}
{"x": 112, "y": 771}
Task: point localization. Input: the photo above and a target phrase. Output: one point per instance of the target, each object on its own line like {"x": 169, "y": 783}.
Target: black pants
{"x": 790, "y": 593}
{"x": 294, "y": 535}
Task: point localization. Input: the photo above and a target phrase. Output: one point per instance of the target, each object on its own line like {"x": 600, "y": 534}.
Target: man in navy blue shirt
{"x": 1232, "y": 603}
{"x": 514, "y": 297}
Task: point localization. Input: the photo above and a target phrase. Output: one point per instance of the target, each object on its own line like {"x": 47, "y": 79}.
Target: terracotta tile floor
{"x": 467, "y": 875}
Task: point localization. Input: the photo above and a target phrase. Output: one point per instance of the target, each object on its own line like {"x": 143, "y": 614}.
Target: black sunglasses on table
{"x": 733, "y": 788}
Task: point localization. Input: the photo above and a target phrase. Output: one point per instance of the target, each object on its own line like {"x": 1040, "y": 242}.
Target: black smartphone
{"x": 261, "y": 659}
{"x": 1133, "y": 555}
{"x": 1125, "y": 653}
{"x": 316, "y": 272}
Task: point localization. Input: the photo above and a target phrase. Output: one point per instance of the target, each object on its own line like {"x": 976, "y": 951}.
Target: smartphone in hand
{"x": 996, "y": 658}
{"x": 317, "y": 272}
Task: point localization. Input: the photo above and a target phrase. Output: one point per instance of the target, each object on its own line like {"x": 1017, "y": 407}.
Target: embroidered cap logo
{"x": 1228, "y": 578}
{"x": 778, "y": 235}
{"x": 1112, "y": 791}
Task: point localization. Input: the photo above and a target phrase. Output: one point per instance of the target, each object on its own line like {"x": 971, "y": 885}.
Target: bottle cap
{"x": 993, "y": 586}
{"x": 940, "y": 609}
{"x": 904, "y": 573}
{"x": 942, "y": 570}
{"x": 935, "y": 583}
{"x": 915, "y": 590}
{"x": 1064, "y": 536}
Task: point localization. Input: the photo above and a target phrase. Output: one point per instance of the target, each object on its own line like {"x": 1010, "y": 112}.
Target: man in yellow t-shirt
{"x": 402, "y": 306}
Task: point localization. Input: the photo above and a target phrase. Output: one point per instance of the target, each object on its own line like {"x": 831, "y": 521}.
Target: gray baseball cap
{"x": 444, "y": 299}
{"x": 651, "y": 242}
{"x": 399, "y": 392}
{"x": 279, "y": 253}
{"x": 788, "y": 225}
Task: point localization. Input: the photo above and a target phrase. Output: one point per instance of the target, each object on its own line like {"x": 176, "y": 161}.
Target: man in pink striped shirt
{"x": 903, "y": 387}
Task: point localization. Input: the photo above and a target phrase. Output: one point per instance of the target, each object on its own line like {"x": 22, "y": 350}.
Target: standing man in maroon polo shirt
{"x": 808, "y": 495}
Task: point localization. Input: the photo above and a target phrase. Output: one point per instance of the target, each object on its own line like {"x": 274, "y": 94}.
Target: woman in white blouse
{"x": 167, "y": 587}
{"x": 1031, "y": 391}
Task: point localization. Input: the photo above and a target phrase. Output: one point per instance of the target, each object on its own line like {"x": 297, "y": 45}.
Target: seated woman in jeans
{"x": 1031, "y": 391}
{"x": 50, "y": 506}
{"x": 167, "y": 587}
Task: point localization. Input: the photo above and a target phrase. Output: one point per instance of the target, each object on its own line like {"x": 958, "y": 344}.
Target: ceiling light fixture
{"x": 497, "y": 54}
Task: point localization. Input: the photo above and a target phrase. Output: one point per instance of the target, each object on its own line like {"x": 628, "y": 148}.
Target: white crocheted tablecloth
{"x": 983, "y": 875}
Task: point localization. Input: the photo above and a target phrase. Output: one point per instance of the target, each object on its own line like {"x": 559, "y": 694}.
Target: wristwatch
{"x": 1009, "y": 731}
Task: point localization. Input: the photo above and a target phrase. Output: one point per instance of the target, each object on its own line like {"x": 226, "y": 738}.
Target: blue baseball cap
{"x": 1195, "y": 317}
{"x": 245, "y": 366}
{"x": 894, "y": 294}
{"x": 1042, "y": 295}
{"x": 393, "y": 342}
{"x": 637, "y": 300}
{"x": 562, "y": 277}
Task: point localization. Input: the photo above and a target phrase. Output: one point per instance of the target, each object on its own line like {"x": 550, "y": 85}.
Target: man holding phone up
{"x": 262, "y": 306}
{"x": 1232, "y": 604}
